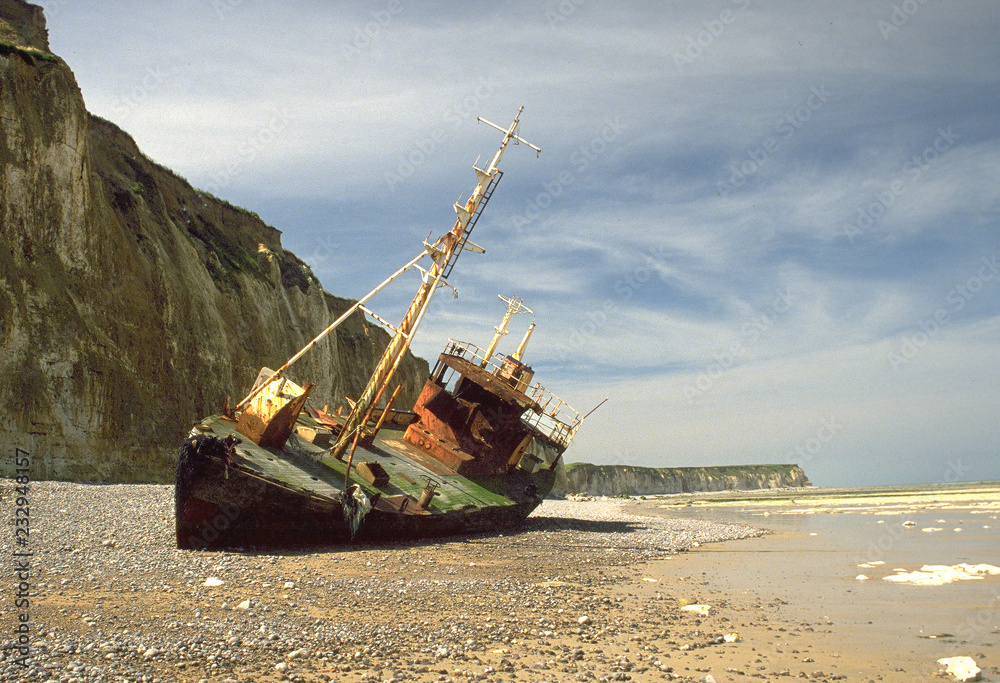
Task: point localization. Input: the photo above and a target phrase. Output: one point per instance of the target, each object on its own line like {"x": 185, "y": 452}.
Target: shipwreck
{"x": 476, "y": 453}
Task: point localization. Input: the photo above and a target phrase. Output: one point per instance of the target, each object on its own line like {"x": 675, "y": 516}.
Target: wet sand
{"x": 796, "y": 592}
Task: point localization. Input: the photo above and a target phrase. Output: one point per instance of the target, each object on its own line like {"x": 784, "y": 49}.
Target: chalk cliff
{"x": 625, "y": 480}
{"x": 132, "y": 304}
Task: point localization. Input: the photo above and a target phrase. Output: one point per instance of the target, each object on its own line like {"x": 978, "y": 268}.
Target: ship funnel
{"x": 519, "y": 354}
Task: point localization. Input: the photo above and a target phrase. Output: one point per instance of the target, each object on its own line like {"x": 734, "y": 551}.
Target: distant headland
{"x": 628, "y": 480}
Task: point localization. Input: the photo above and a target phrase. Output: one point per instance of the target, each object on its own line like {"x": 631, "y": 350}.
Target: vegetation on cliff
{"x": 132, "y": 304}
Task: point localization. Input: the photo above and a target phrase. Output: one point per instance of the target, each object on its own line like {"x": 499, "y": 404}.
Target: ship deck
{"x": 308, "y": 470}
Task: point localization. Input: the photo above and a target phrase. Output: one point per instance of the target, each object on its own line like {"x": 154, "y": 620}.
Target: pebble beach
{"x": 113, "y": 599}
{"x": 588, "y": 590}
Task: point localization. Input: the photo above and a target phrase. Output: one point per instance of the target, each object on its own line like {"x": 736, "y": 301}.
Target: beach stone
{"x": 962, "y": 668}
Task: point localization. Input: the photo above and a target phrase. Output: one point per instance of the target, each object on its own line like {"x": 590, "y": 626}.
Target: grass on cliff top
{"x": 29, "y": 52}
{"x": 723, "y": 470}
{"x": 206, "y": 193}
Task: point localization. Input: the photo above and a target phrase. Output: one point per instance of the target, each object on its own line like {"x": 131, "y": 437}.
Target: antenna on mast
{"x": 511, "y": 135}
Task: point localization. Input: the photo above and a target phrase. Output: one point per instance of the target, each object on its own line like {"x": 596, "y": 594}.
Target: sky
{"x": 767, "y": 232}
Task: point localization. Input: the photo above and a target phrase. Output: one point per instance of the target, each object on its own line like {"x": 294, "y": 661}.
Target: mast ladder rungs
{"x": 487, "y": 193}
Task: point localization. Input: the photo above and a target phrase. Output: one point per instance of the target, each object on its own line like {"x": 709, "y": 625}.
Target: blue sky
{"x": 768, "y": 231}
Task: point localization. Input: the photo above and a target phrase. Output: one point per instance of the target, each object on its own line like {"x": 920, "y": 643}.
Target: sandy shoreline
{"x": 830, "y": 568}
{"x": 587, "y": 591}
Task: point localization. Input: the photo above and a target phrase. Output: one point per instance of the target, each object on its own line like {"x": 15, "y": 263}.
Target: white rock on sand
{"x": 962, "y": 668}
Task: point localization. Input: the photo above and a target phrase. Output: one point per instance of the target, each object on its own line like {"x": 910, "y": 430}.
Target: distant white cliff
{"x": 626, "y": 480}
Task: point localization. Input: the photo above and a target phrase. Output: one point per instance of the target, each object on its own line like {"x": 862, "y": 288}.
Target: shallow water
{"x": 809, "y": 563}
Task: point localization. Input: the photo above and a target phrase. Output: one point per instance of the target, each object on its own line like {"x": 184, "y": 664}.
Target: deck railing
{"x": 558, "y": 420}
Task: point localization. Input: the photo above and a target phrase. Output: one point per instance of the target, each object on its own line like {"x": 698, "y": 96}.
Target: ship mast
{"x": 443, "y": 252}
{"x": 514, "y": 306}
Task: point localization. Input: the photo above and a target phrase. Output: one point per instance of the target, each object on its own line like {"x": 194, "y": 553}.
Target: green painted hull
{"x": 259, "y": 497}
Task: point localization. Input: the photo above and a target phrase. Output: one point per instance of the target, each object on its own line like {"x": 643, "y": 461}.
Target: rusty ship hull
{"x": 251, "y": 496}
{"x": 234, "y": 493}
{"x": 248, "y": 513}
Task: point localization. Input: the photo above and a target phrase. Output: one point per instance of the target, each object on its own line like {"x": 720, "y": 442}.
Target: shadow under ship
{"x": 477, "y": 453}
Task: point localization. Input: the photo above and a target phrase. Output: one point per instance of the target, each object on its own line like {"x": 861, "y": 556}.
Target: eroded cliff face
{"x": 625, "y": 480}
{"x": 130, "y": 304}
